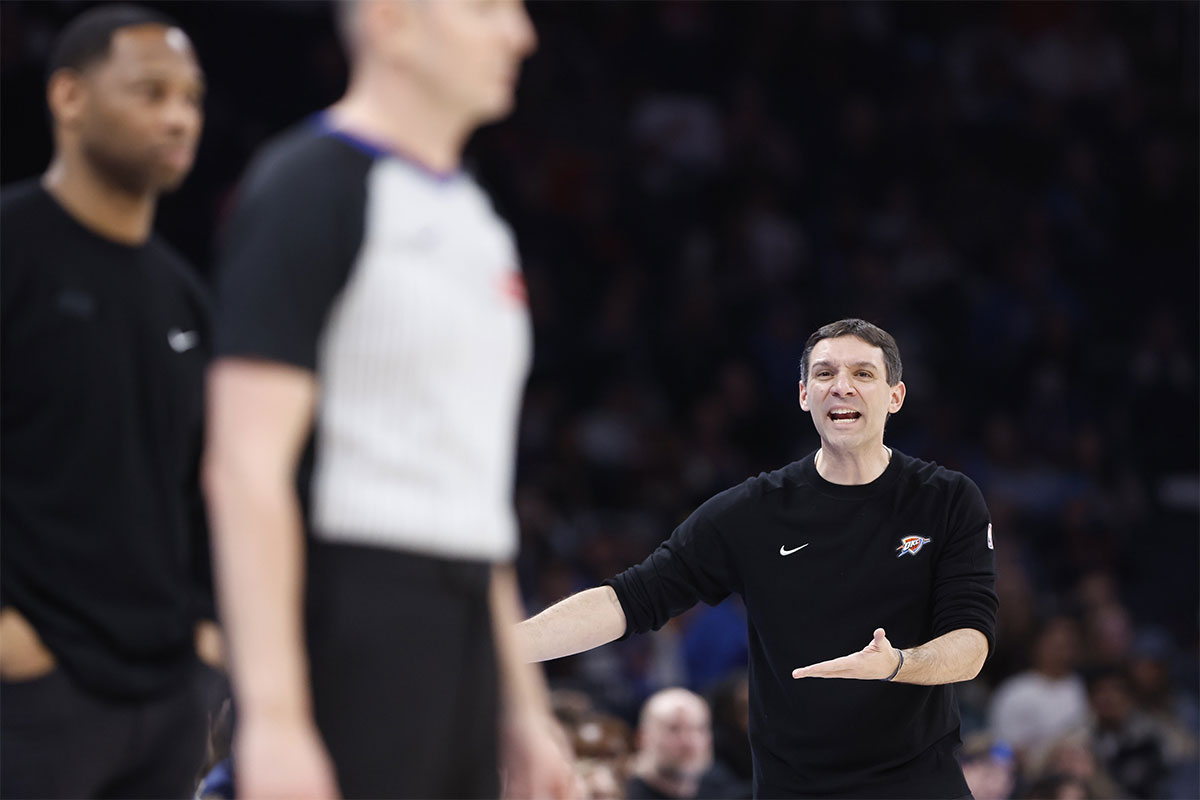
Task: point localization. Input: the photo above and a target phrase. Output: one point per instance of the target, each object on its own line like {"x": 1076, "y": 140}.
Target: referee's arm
{"x": 259, "y": 417}
{"x": 536, "y": 753}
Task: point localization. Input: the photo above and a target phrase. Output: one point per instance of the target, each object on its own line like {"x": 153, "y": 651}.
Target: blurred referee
{"x": 372, "y": 344}
{"x": 104, "y": 567}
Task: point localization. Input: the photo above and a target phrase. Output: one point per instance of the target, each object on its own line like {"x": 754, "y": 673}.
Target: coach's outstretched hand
{"x": 877, "y": 661}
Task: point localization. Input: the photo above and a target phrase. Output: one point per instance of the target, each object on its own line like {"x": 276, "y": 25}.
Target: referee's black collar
{"x": 375, "y": 149}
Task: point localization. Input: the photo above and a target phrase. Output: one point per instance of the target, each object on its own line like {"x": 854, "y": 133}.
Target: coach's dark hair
{"x": 88, "y": 37}
{"x": 869, "y": 333}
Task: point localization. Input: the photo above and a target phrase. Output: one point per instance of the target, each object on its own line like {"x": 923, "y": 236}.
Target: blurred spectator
{"x": 1073, "y": 755}
{"x": 603, "y": 737}
{"x": 674, "y": 754}
{"x": 730, "y": 702}
{"x": 714, "y": 642}
{"x": 1127, "y": 742}
{"x": 1172, "y": 709}
{"x": 990, "y": 767}
{"x": 599, "y": 780}
{"x": 1059, "y": 787}
{"x": 1033, "y": 708}
{"x": 216, "y": 777}
{"x": 1108, "y": 634}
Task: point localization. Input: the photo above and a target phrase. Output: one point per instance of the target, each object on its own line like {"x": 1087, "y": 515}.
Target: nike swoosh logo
{"x": 182, "y": 341}
{"x": 783, "y": 551}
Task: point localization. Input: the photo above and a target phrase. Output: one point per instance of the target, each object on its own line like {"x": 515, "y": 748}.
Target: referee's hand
{"x": 875, "y": 662}
{"x": 537, "y": 759}
{"x": 282, "y": 759}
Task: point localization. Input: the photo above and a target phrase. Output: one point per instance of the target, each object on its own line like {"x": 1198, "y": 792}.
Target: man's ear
{"x": 897, "y": 397}
{"x": 65, "y": 96}
{"x": 803, "y": 397}
{"x": 392, "y": 25}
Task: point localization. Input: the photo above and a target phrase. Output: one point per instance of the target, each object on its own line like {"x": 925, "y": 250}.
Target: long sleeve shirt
{"x": 820, "y": 566}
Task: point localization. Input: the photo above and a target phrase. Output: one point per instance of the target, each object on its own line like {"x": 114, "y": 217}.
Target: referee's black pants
{"x": 403, "y": 672}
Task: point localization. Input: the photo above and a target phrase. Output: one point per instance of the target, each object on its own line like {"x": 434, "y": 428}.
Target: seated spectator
{"x": 1127, "y": 741}
{"x": 1059, "y": 787}
{"x": 674, "y": 750}
{"x": 602, "y": 737}
{"x": 989, "y": 766}
{"x": 1033, "y": 708}
{"x": 216, "y": 776}
{"x": 1073, "y": 756}
{"x": 1173, "y": 709}
{"x": 599, "y": 779}
{"x": 731, "y": 735}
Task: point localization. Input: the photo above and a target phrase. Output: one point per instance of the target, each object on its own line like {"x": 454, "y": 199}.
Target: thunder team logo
{"x": 911, "y": 545}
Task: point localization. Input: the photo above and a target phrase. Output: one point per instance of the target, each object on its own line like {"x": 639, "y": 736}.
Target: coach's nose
{"x": 842, "y": 385}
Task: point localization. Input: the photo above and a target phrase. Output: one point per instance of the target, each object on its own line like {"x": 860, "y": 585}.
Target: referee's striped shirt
{"x": 400, "y": 288}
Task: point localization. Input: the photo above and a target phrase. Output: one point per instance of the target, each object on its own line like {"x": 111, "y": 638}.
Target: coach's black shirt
{"x": 820, "y": 567}
{"x": 103, "y": 351}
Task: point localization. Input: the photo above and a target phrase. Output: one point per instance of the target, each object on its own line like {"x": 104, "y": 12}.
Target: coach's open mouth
{"x": 844, "y": 416}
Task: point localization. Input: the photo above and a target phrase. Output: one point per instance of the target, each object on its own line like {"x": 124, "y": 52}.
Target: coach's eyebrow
{"x": 829, "y": 364}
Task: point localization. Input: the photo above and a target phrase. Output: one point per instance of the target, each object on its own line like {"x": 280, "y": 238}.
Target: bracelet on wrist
{"x": 896, "y": 671}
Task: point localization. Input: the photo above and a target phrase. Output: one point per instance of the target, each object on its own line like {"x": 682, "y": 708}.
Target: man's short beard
{"x": 675, "y": 773}
{"x": 129, "y": 176}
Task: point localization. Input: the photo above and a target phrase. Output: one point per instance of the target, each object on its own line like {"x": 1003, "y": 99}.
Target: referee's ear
{"x": 387, "y": 29}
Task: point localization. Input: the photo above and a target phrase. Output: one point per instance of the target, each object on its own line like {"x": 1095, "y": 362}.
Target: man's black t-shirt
{"x": 103, "y": 352}
{"x": 820, "y": 567}
{"x": 715, "y": 784}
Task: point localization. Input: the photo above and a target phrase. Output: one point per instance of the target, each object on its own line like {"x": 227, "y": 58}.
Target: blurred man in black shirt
{"x": 104, "y": 575}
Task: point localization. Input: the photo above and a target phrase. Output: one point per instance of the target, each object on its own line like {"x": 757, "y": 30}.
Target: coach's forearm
{"x": 258, "y": 560}
{"x": 581, "y": 622}
{"x": 950, "y": 658}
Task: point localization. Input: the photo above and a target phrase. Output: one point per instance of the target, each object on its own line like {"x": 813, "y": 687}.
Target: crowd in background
{"x": 1010, "y": 189}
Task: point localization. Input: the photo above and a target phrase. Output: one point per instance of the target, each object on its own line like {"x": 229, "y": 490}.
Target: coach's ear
{"x": 803, "y": 397}
{"x": 897, "y": 399}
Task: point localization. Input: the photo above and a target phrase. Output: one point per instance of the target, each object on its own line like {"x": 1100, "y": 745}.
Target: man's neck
{"x": 852, "y": 468}
{"x": 97, "y": 204}
{"x": 1053, "y": 673}
{"x": 395, "y": 113}
{"x": 674, "y": 784}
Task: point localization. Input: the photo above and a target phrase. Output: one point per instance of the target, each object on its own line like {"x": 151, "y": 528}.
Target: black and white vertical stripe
{"x": 422, "y": 364}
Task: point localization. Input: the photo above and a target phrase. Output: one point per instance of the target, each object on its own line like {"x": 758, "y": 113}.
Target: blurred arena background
{"x": 1011, "y": 189}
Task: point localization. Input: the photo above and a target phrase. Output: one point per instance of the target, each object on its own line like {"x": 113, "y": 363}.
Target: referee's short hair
{"x": 88, "y": 37}
{"x": 869, "y": 333}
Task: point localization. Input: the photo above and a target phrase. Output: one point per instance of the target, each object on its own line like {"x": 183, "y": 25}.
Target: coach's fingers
{"x": 861, "y": 665}
{"x": 834, "y": 668}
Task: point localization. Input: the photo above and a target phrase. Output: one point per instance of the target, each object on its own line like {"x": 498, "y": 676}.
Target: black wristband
{"x": 896, "y": 671}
